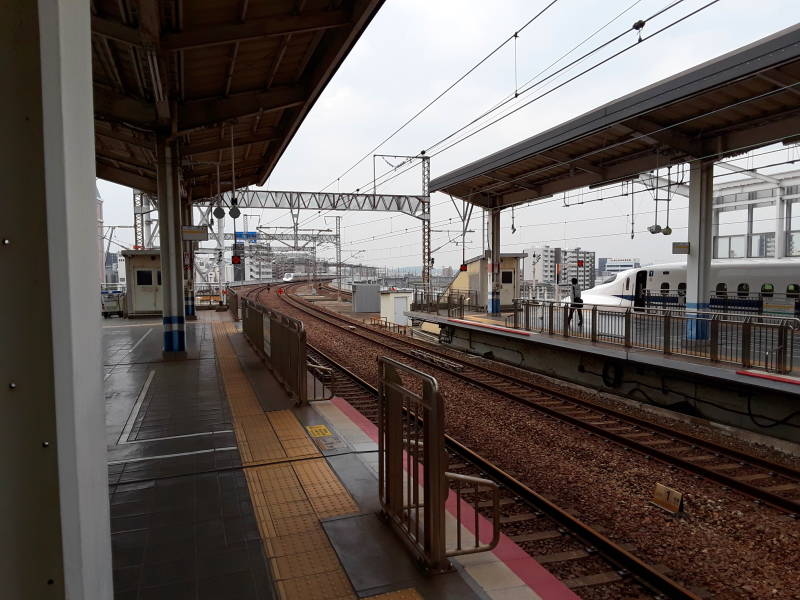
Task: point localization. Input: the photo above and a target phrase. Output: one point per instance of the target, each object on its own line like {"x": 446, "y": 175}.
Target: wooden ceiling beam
{"x": 111, "y": 29}
{"x": 580, "y": 163}
{"x": 202, "y": 113}
{"x": 666, "y": 136}
{"x": 113, "y": 106}
{"x": 225, "y": 169}
{"x": 128, "y": 136}
{"x": 126, "y": 178}
{"x": 254, "y": 29}
{"x": 126, "y": 159}
{"x": 263, "y": 135}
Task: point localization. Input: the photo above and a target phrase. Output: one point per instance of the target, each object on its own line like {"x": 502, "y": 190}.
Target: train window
{"x": 159, "y": 278}
{"x": 144, "y": 277}
{"x": 665, "y": 273}
{"x": 722, "y": 290}
{"x": 627, "y": 284}
{"x": 767, "y": 290}
{"x": 682, "y": 288}
{"x": 650, "y": 274}
{"x": 665, "y": 288}
{"x": 507, "y": 277}
{"x": 793, "y": 290}
{"x": 743, "y": 289}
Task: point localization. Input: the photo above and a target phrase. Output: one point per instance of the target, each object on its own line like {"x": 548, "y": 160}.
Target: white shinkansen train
{"x": 289, "y": 276}
{"x": 751, "y": 285}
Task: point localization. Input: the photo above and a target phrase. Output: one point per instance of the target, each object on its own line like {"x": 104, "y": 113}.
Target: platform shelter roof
{"x": 199, "y": 70}
{"x": 739, "y": 101}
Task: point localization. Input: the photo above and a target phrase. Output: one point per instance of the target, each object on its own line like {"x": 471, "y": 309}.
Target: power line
{"x": 446, "y": 90}
{"x": 560, "y": 85}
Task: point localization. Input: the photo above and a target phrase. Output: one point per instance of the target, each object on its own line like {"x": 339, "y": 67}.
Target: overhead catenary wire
{"x": 445, "y": 91}
{"x": 430, "y": 149}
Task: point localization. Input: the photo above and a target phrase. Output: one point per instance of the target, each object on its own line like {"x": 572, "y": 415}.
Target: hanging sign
{"x": 195, "y": 233}
{"x": 680, "y": 247}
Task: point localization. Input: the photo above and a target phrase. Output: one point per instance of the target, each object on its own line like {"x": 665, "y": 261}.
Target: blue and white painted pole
{"x": 169, "y": 226}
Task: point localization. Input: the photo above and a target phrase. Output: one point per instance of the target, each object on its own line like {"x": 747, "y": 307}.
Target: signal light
{"x": 580, "y": 263}
{"x": 462, "y": 268}
{"x": 236, "y": 260}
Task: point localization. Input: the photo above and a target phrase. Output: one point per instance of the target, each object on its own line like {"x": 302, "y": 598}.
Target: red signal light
{"x": 462, "y": 268}
{"x": 236, "y": 260}
{"x": 580, "y": 263}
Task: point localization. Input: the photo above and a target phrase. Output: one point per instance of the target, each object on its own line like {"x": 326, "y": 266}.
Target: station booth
{"x": 394, "y": 305}
{"x": 476, "y": 279}
{"x": 143, "y": 274}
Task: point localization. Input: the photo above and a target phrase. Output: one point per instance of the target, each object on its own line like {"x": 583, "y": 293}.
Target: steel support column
{"x": 698, "y": 267}
{"x": 494, "y": 262}
{"x": 169, "y": 225}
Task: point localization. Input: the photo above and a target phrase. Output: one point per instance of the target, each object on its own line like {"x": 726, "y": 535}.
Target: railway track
{"x": 583, "y": 558}
{"x": 764, "y": 481}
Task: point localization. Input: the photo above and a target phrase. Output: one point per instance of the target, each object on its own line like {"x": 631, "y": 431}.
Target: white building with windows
{"x": 758, "y": 217}
{"x": 547, "y": 268}
{"x": 606, "y": 267}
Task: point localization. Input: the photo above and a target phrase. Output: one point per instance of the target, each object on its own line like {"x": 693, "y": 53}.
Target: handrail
{"x": 476, "y": 483}
{"x": 412, "y": 481}
{"x": 749, "y": 340}
{"x": 794, "y": 322}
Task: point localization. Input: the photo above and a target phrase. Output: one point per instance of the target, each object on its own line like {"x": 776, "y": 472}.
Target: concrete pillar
{"x": 188, "y": 266}
{"x": 780, "y": 225}
{"x": 169, "y": 229}
{"x": 698, "y": 267}
{"x": 494, "y": 261}
{"x": 54, "y": 513}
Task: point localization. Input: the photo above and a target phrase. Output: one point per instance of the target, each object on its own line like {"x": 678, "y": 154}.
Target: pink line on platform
{"x": 534, "y": 575}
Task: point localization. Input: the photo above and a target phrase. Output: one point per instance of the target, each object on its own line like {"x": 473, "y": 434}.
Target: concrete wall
{"x": 713, "y": 399}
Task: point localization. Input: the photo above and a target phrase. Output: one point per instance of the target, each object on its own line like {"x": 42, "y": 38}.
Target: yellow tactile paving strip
{"x": 408, "y": 594}
{"x": 291, "y": 487}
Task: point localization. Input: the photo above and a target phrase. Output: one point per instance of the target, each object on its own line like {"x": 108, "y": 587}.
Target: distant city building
{"x": 548, "y": 267}
{"x": 606, "y": 267}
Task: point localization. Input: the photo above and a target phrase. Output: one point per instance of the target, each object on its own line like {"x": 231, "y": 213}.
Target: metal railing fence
{"x": 411, "y": 469}
{"x": 760, "y": 303}
{"x": 280, "y": 339}
{"x": 453, "y": 303}
{"x": 757, "y": 341}
{"x": 384, "y": 323}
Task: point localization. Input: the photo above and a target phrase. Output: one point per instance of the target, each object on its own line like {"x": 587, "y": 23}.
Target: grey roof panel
{"x": 768, "y": 52}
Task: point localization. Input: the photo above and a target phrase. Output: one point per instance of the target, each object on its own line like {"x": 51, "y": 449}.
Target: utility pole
{"x": 338, "y": 259}
{"x": 427, "y": 259}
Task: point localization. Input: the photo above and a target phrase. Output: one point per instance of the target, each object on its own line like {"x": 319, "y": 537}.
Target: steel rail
{"x": 788, "y": 505}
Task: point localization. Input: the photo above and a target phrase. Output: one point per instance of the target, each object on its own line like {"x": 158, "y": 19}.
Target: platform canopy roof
{"x": 726, "y": 106}
{"x": 198, "y": 70}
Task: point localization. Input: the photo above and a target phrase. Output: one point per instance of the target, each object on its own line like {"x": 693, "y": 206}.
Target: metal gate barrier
{"x": 413, "y": 484}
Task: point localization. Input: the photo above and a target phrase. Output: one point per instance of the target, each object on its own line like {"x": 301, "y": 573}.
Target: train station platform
{"x": 725, "y": 393}
{"x": 221, "y": 488}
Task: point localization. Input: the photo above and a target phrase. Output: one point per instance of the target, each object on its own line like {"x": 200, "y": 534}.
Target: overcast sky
{"x": 414, "y": 49}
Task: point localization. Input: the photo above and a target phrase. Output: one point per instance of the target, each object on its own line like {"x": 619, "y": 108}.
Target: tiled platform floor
{"x": 183, "y": 524}
{"x": 218, "y": 491}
